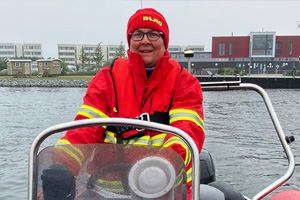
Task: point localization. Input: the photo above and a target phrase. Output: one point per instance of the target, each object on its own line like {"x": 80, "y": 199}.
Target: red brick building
{"x": 260, "y": 52}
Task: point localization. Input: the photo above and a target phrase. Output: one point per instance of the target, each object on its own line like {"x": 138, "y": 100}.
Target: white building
{"x": 7, "y": 50}
{"x": 12, "y": 50}
{"x": 70, "y": 53}
{"x": 31, "y": 50}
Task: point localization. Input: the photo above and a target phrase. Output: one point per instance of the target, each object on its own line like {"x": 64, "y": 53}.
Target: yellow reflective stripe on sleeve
{"x": 69, "y": 152}
{"x": 98, "y": 112}
{"x": 185, "y": 114}
{"x": 189, "y": 175}
{"x": 86, "y": 115}
{"x": 64, "y": 141}
{"x": 176, "y": 140}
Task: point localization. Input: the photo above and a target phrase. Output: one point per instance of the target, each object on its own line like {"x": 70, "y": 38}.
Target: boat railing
{"x": 207, "y": 86}
{"x": 237, "y": 85}
{"x": 32, "y": 173}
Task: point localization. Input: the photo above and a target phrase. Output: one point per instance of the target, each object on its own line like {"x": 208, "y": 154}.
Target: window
{"x": 278, "y": 48}
{"x": 6, "y": 47}
{"x": 262, "y": 45}
{"x": 291, "y": 48}
{"x": 221, "y": 49}
{"x": 112, "y": 49}
{"x": 89, "y": 48}
{"x": 230, "y": 49}
{"x": 17, "y": 64}
{"x": 67, "y": 48}
{"x": 66, "y": 54}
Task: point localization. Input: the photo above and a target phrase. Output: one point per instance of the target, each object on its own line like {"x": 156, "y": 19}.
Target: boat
{"x": 146, "y": 172}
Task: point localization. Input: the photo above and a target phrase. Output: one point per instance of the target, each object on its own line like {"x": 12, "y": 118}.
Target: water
{"x": 239, "y": 134}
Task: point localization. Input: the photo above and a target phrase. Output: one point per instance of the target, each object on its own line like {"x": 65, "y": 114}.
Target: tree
{"x": 98, "y": 56}
{"x": 2, "y": 64}
{"x": 83, "y": 58}
{"x": 120, "y": 52}
{"x": 64, "y": 67}
{"x": 107, "y": 63}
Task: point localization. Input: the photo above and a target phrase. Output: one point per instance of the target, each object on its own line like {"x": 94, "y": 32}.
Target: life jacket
{"x": 158, "y": 94}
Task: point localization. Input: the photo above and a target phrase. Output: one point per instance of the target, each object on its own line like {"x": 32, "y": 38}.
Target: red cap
{"x": 148, "y": 18}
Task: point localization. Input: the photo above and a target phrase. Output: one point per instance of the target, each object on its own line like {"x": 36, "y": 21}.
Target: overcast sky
{"x": 195, "y": 22}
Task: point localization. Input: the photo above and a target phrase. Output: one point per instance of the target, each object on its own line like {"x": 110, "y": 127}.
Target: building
{"x": 7, "y": 50}
{"x": 258, "y": 53}
{"x": 12, "y": 50}
{"x": 31, "y": 50}
{"x": 19, "y": 67}
{"x": 70, "y": 53}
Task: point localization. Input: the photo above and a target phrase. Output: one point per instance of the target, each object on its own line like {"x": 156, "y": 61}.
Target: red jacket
{"x": 136, "y": 94}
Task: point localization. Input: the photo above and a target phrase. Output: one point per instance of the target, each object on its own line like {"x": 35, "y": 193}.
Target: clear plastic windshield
{"x": 109, "y": 171}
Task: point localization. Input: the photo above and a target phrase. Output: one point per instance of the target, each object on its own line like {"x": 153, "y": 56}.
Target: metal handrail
{"x": 32, "y": 170}
{"x": 206, "y": 86}
{"x": 237, "y": 85}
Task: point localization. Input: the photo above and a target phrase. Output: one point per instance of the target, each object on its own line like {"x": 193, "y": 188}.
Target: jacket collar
{"x": 137, "y": 65}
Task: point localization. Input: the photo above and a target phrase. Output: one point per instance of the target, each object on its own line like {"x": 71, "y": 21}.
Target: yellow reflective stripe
{"x": 70, "y": 153}
{"x": 95, "y": 111}
{"x": 73, "y": 147}
{"x": 109, "y": 182}
{"x": 185, "y": 111}
{"x": 158, "y": 140}
{"x": 144, "y": 140}
{"x": 185, "y": 114}
{"x": 110, "y": 137}
{"x": 189, "y": 175}
{"x": 163, "y": 135}
{"x": 86, "y": 115}
{"x": 179, "y": 178}
{"x": 176, "y": 140}
{"x": 64, "y": 141}
{"x": 185, "y": 118}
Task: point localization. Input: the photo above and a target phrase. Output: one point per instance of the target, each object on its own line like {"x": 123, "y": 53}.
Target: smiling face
{"x": 151, "y": 51}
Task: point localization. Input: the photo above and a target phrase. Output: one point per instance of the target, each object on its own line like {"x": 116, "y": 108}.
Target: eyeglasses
{"x": 139, "y": 35}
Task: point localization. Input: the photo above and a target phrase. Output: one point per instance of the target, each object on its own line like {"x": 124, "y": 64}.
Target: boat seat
{"x": 229, "y": 192}
{"x": 210, "y": 193}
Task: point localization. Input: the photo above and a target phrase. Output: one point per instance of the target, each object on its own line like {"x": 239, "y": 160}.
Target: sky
{"x": 191, "y": 22}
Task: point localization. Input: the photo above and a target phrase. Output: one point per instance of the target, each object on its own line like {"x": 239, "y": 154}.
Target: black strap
{"x": 158, "y": 117}
{"x": 110, "y": 71}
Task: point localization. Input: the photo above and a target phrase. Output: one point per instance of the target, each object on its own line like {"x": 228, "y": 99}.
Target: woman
{"x": 148, "y": 83}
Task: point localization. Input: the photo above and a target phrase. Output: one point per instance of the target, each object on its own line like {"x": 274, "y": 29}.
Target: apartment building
{"x": 12, "y": 50}
{"x": 7, "y": 50}
{"x": 70, "y": 53}
{"x": 31, "y": 50}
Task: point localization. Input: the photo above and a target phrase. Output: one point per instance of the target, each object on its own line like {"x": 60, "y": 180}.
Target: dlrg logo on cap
{"x": 146, "y": 18}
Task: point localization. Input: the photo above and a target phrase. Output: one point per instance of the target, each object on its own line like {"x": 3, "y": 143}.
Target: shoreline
{"x": 43, "y": 83}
